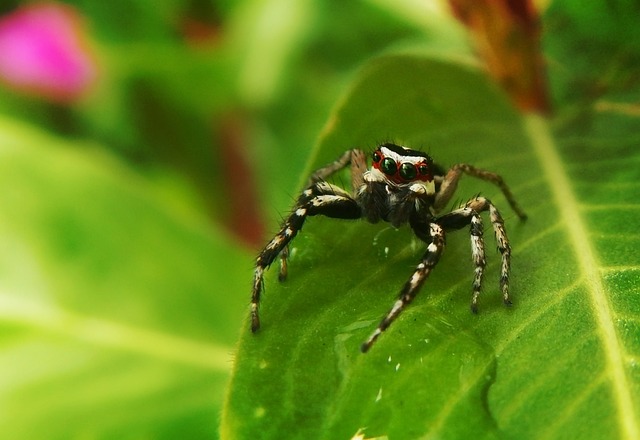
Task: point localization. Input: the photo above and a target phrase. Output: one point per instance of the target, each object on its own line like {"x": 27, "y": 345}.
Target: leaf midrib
{"x": 569, "y": 207}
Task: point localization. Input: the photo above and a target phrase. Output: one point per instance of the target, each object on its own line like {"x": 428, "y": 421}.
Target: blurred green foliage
{"x": 177, "y": 76}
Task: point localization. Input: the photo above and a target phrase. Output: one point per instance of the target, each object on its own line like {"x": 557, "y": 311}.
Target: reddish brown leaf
{"x": 507, "y": 36}
{"x": 243, "y": 212}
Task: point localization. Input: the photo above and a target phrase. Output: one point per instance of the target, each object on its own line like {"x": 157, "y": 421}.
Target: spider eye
{"x": 377, "y": 157}
{"x": 408, "y": 171}
{"x": 423, "y": 169}
{"x": 389, "y": 166}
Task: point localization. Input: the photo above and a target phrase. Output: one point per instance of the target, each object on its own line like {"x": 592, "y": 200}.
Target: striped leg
{"x": 284, "y": 266}
{"x": 458, "y": 219}
{"x": 320, "y": 198}
{"x": 450, "y": 183}
{"x": 480, "y": 204}
{"x": 412, "y": 287}
{"x": 358, "y": 162}
{"x": 470, "y": 215}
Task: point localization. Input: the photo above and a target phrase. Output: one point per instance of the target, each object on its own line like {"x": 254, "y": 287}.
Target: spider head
{"x": 401, "y": 165}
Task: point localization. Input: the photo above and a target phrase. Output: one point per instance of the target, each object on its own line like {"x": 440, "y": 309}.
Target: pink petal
{"x": 43, "y": 52}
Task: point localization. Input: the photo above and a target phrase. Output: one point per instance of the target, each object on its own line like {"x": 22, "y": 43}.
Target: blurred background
{"x": 208, "y": 96}
{"x": 147, "y": 148}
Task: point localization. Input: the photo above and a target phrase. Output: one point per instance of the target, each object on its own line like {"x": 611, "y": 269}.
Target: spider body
{"x": 402, "y": 187}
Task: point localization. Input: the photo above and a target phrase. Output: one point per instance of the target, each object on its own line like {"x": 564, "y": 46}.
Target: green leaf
{"x": 115, "y": 307}
{"x": 561, "y": 363}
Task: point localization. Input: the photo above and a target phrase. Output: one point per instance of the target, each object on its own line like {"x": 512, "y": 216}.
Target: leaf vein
{"x": 568, "y": 206}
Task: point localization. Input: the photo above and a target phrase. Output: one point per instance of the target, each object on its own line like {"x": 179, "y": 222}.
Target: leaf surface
{"x": 561, "y": 363}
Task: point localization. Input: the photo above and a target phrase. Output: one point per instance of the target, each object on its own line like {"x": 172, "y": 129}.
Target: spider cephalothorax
{"x": 403, "y": 186}
{"x": 401, "y": 165}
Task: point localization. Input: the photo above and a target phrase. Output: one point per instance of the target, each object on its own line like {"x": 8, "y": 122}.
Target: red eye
{"x": 423, "y": 169}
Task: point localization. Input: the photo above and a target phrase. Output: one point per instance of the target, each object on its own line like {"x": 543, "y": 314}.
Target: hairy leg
{"x": 413, "y": 285}
{"x": 321, "y": 198}
{"x": 450, "y": 183}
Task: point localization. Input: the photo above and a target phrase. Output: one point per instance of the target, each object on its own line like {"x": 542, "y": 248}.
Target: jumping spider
{"x": 402, "y": 186}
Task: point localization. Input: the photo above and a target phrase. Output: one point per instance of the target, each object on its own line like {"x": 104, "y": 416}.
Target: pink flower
{"x": 43, "y": 52}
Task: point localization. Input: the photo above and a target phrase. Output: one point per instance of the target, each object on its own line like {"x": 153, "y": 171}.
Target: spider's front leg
{"x": 480, "y": 204}
{"x": 319, "y": 198}
{"x": 412, "y": 287}
{"x": 470, "y": 215}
